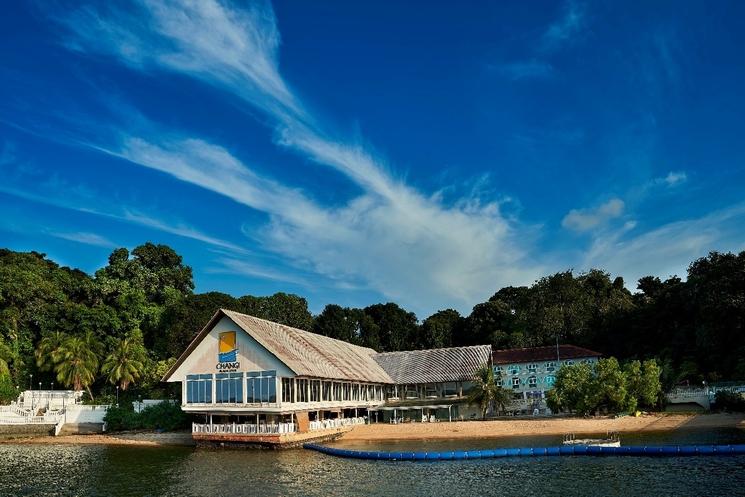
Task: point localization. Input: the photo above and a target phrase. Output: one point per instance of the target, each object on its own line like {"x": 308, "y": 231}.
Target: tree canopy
{"x": 694, "y": 328}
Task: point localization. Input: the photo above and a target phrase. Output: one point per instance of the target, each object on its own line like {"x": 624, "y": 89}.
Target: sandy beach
{"x": 443, "y": 430}
{"x": 145, "y": 438}
{"x": 549, "y": 426}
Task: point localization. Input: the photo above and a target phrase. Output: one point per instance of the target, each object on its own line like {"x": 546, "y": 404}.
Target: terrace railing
{"x": 327, "y": 424}
{"x": 244, "y": 428}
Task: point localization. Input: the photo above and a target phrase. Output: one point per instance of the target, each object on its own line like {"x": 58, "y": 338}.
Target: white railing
{"x": 24, "y": 420}
{"x": 244, "y": 428}
{"x": 327, "y": 424}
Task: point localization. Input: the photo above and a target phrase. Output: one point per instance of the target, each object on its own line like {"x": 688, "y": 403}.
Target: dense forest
{"x": 125, "y": 324}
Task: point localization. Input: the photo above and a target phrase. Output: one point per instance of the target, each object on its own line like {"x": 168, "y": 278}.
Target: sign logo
{"x": 228, "y": 348}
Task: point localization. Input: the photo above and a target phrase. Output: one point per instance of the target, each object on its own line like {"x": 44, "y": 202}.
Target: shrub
{"x": 729, "y": 401}
{"x": 166, "y": 416}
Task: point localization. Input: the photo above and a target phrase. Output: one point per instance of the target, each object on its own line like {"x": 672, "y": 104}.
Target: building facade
{"x": 531, "y": 372}
{"x": 258, "y": 381}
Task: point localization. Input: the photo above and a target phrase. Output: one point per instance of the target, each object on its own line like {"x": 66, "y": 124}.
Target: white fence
{"x": 327, "y": 424}
{"x": 244, "y": 428}
{"x": 25, "y": 420}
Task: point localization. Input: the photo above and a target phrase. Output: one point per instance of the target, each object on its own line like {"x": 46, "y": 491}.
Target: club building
{"x": 259, "y": 382}
{"x": 531, "y": 372}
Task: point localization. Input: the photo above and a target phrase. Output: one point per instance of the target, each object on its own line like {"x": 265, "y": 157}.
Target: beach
{"x": 442, "y": 430}
{"x": 545, "y": 426}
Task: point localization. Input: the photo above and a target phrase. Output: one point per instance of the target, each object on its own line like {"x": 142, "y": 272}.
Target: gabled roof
{"x": 305, "y": 353}
{"x": 537, "y": 354}
{"x": 434, "y": 365}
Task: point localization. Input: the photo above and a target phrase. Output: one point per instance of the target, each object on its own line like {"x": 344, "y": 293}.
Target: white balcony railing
{"x": 244, "y": 428}
{"x": 327, "y": 424}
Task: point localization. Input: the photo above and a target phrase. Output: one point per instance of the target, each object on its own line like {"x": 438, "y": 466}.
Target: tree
{"x": 485, "y": 390}
{"x": 47, "y": 350}
{"x": 437, "y": 331}
{"x": 338, "y": 322}
{"x": 396, "y": 328}
{"x": 77, "y": 363}
{"x": 284, "y": 308}
{"x": 183, "y": 319}
{"x": 126, "y": 362}
{"x": 6, "y": 355}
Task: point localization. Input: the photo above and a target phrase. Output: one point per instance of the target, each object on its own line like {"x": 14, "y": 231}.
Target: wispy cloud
{"x": 565, "y": 28}
{"x": 667, "y": 250}
{"x": 72, "y": 201}
{"x": 395, "y": 239}
{"x": 674, "y": 178}
{"x": 85, "y": 238}
{"x": 581, "y": 220}
{"x": 527, "y": 69}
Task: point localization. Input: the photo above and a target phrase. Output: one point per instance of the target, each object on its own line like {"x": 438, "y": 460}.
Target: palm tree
{"x": 485, "y": 390}
{"x": 46, "y": 351}
{"x": 125, "y": 364}
{"x": 77, "y": 363}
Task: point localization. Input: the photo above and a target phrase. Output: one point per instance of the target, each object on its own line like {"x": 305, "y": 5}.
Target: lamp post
{"x": 117, "y": 396}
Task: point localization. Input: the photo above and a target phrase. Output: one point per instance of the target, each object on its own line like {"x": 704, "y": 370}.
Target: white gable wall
{"x": 252, "y": 356}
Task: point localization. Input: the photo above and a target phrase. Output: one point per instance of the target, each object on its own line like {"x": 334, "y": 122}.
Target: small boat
{"x": 610, "y": 440}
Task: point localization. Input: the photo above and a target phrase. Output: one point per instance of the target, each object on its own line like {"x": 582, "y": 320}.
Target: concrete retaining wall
{"x": 26, "y": 430}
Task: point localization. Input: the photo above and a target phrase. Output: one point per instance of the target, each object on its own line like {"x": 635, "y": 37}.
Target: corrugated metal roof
{"x": 310, "y": 354}
{"x": 536, "y": 354}
{"x": 434, "y": 365}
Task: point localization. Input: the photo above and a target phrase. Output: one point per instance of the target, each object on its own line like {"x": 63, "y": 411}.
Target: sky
{"x": 426, "y": 153}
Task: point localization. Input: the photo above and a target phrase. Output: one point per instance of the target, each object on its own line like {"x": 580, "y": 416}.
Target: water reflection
{"x": 92, "y": 471}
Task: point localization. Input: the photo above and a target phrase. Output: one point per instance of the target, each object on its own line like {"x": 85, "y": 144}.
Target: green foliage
{"x": 605, "y": 387}
{"x": 8, "y": 391}
{"x": 486, "y": 393}
{"x": 126, "y": 362}
{"x": 165, "y": 416}
{"x": 729, "y": 401}
{"x": 439, "y": 329}
{"x": 77, "y": 362}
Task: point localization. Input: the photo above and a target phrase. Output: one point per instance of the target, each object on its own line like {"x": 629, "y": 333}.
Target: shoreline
{"x": 457, "y": 430}
{"x": 501, "y": 428}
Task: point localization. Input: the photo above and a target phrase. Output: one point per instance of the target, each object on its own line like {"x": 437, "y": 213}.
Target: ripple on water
{"x": 93, "y": 471}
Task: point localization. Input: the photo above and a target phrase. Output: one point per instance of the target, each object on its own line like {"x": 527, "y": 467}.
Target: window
{"x": 261, "y": 387}
{"x": 515, "y": 382}
{"x": 355, "y": 392}
{"x": 411, "y": 392}
{"x": 199, "y": 389}
{"x": 229, "y": 388}
{"x": 532, "y": 382}
{"x": 498, "y": 369}
{"x": 550, "y": 380}
{"x": 568, "y": 363}
{"x": 315, "y": 390}
{"x": 337, "y": 391}
{"x": 326, "y": 391}
{"x": 288, "y": 389}
{"x": 532, "y": 368}
{"x": 430, "y": 390}
{"x": 514, "y": 369}
{"x": 346, "y": 389}
{"x": 302, "y": 390}
{"x": 550, "y": 367}
{"x": 498, "y": 381}
{"x": 450, "y": 389}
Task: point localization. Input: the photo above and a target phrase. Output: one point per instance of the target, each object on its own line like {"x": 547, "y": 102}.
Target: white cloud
{"x": 562, "y": 31}
{"x": 675, "y": 178}
{"x": 84, "y": 238}
{"x": 587, "y": 219}
{"x": 668, "y": 249}
{"x": 396, "y": 240}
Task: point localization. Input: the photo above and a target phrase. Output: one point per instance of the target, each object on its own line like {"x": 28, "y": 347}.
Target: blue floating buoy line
{"x": 573, "y": 450}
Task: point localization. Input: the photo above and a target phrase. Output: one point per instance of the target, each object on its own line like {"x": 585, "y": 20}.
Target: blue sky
{"x": 355, "y": 152}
